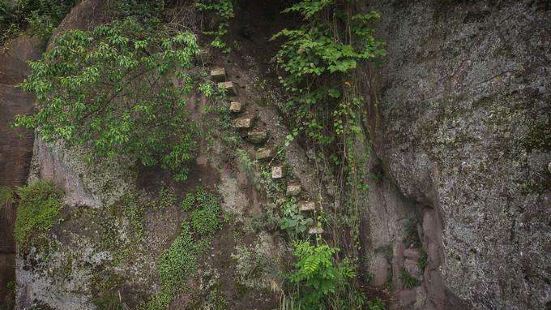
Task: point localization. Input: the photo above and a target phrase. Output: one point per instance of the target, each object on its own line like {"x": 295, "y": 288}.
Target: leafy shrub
{"x": 167, "y": 197}
{"x": 112, "y": 89}
{"x": 423, "y": 260}
{"x": 38, "y": 209}
{"x": 293, "y": 222}
{"x": 223, "y": 12}
{"x": 318, "y": 277}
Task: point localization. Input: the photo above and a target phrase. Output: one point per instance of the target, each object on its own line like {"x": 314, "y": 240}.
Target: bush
{"x": 318, "y": 277}
{"x": 113, "y": 89}
{"x": 38, "y": 209}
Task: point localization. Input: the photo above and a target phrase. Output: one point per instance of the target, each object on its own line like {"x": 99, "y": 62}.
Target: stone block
{"x": 218, "y": 74}
{"x": 277, "y": 172}
{"x": 228, "y": 88}
{"x": 293, "y": 189}
{"x": 264, "y": 153}
{"x": 243, "y": 122}
{"x": 315, "y": 231}
{"x": 235, "y": 107}
{"x": 305, "y": 206}
{"x": 257, "y": 136}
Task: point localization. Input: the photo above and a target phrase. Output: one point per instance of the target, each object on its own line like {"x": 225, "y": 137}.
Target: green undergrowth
{"x": 40, "y": 17}
{"x": 220, "y": 12}
{"x": 179, "y": 263}
{"x": 319, "y": 61}
{"x": 38, "y": 210}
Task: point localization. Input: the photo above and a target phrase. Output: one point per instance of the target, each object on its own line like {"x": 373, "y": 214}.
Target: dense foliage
{"x": 41, "y": 16}
{"x": 221, "y": 12}
{"x": 120, "y": 89}
{"x": 318, "y": 59}
{"x": 38, "y": 209}
{"x": 318, "y": 62}
{"x": 320, "y": 280}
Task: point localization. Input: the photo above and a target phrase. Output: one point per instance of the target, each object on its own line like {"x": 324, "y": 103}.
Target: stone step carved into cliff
{"x": 306, "y": 206}
{"x": 257, "y": 136}
{"x": 293, "y": 189}
{"x": 218, "y": 74}
{"x": 228, "y": 87}
{"x": 245, "y": 122}
{"x": 264, "y": 153}
{"x": 236, "y": 107}
{"x": 277, "y": 172}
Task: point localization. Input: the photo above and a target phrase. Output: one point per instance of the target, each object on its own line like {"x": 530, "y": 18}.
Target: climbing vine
{"x": 222, "y": 12}
{"x": 318, "y": 64}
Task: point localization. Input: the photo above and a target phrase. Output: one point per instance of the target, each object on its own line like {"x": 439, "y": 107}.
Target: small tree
{"x": 119, "y": 89}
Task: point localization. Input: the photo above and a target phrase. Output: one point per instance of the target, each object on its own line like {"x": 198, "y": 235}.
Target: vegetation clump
{"x": 39, "y": 207}
{"x": 321, "y": 282}
{"x": 180, "y": 261}
{"x": 223, "y": 13}
{"x": 40, "y": 17}
{"x": 120, "y": 89}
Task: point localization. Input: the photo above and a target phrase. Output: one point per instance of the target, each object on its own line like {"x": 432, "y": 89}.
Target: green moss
{"x": 181, "y": 260}
{"x": 205, "y": 221}
{"x": 39, "y": 207}
{"x": 167, "y": 197}
{"x": 539, "y": 137}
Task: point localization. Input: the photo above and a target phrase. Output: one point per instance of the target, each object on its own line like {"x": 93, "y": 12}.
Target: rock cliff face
{"x": 457, "y": 211}
{"x": 461, "y": 123}
{"x": 15, "y": 145}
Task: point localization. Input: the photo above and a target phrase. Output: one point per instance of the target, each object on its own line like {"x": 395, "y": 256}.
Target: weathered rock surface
{"x": 462, "y": 125}
{"x": 15, "y": 145}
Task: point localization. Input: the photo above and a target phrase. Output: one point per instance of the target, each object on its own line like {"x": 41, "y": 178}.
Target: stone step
{"x": 264, "y": 153}
{"x": 257, "y": 136}
{"x": 218, "y": 74}
{"x": 305, "y": 206}
{"x": 315, "y": 230}
{"x": 228, "y": 87}
{"x": 235, "y": 106}
{"x": 245, "y": 122}
{"x": 277, "y": 172}
{"x": 293, "y": 189}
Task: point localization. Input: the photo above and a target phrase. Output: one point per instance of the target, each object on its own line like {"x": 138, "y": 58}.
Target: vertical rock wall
{"x": 461, "y": 122}
{"x": 15, "y": 145}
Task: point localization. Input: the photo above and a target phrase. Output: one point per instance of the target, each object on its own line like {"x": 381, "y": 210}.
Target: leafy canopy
{"x": 120, "y": 89}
